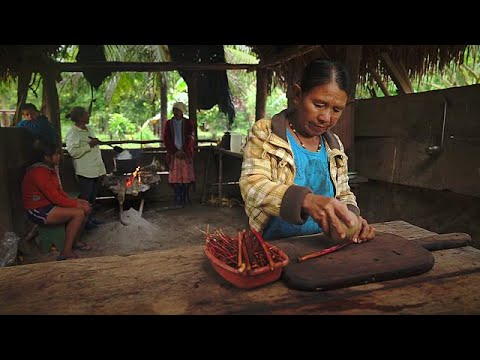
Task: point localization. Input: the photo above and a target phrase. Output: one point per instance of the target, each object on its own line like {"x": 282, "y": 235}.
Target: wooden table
{"x": 221, "y": 153}
{"x": 181, "y": 281}
{"x": 354, "y": 178}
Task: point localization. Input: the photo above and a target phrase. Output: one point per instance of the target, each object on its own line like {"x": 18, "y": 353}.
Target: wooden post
{"x": 192, "y": 103}
{"x": 22, "y": 91}
{"x": 352, "y": 62}
{"x": 261, "y": 101}
{"x": 163, "y": 105}
{"x": 345, "y": 127}
{"x": 220, "y": 177}
{"x": 50, "y": 101}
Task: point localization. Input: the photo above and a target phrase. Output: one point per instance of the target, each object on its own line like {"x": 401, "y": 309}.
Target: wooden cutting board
{"x": 386, "y": 257}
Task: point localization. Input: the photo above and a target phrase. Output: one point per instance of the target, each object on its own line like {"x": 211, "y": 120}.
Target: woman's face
{"x": 53, "y": 159}
{"x": 177, "y": 113}
{"x": 84, "y": 119}
{"x": 29, "y": 114}
{"x": 319, "y": 109}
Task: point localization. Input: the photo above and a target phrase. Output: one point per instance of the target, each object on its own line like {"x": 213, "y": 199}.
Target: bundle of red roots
{"x": 246, "y": 252}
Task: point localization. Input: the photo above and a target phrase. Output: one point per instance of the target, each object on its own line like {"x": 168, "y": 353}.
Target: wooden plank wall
{"x": 16, "y": 150}
{"x": 393, "y": 133}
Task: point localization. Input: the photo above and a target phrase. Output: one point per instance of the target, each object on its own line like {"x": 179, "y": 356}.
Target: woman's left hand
{"x": 365, "y": 232}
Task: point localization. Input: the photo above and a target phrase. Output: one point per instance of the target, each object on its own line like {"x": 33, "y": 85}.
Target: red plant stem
{"x": 249, "y": 251}
{"x": 218, "y": 248}
{"x": 245, "y": 253}
{"x": 265, "y": 248}
{"x": 240, "y": 238}
{"x": 256, "y": 261}
{"x": 322, "y": 252}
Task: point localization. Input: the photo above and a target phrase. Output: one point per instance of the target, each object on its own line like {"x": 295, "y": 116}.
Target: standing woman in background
{"x": 179, "y": 140}
{"x": 83, "y": 147}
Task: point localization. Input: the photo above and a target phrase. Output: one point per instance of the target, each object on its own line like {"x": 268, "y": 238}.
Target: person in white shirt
{"x": 83, "y": 147}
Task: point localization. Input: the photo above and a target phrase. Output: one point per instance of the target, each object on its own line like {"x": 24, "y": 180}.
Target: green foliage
{"x": 213, "y": 120}
{"x": 8, "y": 94}
{"x": 146, "y": 134}
{"x": 453, "y": 75}
{"x": 119, "y": 126}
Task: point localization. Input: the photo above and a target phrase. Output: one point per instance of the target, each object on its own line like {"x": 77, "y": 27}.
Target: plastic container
{"x": 235, "y": 142}
{"x": 252, "y": 279}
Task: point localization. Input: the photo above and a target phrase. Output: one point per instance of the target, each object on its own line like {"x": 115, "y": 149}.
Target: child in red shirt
{"x": 46, "y": 203}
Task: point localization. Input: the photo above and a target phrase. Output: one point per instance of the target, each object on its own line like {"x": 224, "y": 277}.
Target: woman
{"x": 46, "y": 203}
{"x": 179, "y": 140}
{"x": 294, "y": 174}
{"x": 82, "y": 145}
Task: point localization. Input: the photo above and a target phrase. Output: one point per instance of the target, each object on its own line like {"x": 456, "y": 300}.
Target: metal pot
{"x": 123, "y": 166}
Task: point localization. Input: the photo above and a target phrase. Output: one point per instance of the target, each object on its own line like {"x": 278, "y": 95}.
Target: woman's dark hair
{"x": 76, "y": 113}
{"x": 321, "y": 72}
{"x": 43, "y": 148}
{"x": 29, "y": 106}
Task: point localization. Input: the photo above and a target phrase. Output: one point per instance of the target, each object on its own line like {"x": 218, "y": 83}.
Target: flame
{"x": 132, "y": 177}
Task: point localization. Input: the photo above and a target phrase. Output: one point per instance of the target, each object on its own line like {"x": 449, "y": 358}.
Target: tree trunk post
{"x": 50, "y": 102}
{"x": 261, "y": 99}
{"x": 345, "y": 128}
{"x": 163, "y": 105}
{"x": 23, "y": 82}
{"x": 192, "y": 103}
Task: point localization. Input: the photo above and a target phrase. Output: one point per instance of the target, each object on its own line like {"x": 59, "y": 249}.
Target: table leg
{"x": 142, "y": 202}
{"x": 220, "y": 177}
{"x": 120, "y": 205}
{"x": 205, "y": 179}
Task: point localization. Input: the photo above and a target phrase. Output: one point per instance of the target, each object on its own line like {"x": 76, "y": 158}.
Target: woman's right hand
{"x": 94, "y": 142}
{"x": 180, "y": 154}
{"x": 328, "y": 212}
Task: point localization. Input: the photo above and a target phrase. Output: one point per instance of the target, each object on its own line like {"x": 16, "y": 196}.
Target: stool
{"x": 51, "y": 235}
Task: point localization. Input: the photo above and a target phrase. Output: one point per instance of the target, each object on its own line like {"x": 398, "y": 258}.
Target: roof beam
{"x": 398, "y": 74}
{"x": 379, "y": 81}
{"x": 117, "y": 66}
{"x": 291, "y": 53}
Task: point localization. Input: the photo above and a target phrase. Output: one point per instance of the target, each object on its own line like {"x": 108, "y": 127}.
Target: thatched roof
{"x": 14, "y": 58}
{"x": 418, "y": 60}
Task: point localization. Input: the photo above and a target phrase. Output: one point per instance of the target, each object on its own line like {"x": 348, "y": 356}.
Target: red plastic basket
{"x": 252, "y": 279}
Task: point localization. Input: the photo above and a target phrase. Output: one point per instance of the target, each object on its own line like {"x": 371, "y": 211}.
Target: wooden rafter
{"x": 290, "y": 54}
{"x": 397, "y": 73}
{"x": 379, "y": 81}
{"x": 117, "y": 66}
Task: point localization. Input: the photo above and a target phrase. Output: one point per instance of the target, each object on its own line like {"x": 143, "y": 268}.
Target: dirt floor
{"x": 160, "y": 227}
{"x": 163, "y": 226}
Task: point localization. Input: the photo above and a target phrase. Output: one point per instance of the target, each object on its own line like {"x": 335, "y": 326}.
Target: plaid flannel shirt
{"x": 268, "y": 171}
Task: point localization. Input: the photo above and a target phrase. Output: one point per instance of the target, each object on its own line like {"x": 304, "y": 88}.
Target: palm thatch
{"x": 16, "y": 58}
{"x": 418, "y": 60}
